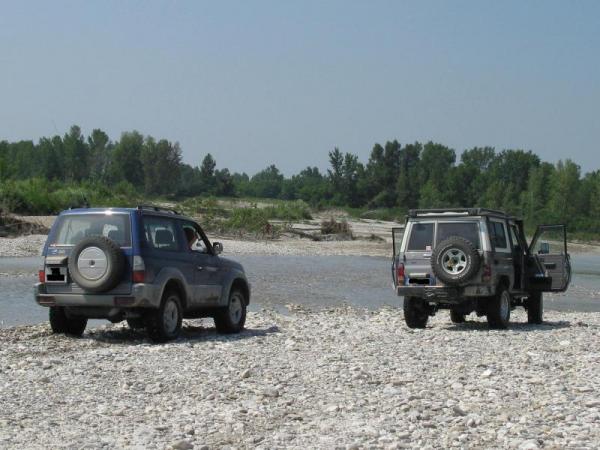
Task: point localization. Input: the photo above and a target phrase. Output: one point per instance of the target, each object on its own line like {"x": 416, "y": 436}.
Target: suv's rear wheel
{"x": 60, "y": 322}
{"x": 164, "y": 324}
{"x": 416, "y": 314}
{"x": 535, "y": 308}
{"x": 456, "y": 317}
{"x": 498, "y": 313}
{"x": 232, "y": 318}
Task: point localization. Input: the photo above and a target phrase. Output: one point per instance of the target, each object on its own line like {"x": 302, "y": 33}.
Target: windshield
{"x": 73, "y": 228}
{"x": 467, "y": 230}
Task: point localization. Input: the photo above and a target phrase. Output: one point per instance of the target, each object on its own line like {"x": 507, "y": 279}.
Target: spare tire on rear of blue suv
{"x": 96, "y": 264}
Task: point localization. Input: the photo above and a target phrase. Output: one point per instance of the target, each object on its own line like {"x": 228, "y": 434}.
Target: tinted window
{"x": 160, "y": 233}
{"x": 73, "y": 228}
{"x": 469, "y": 231}
{"x": 421, "y": 236}
{"x": 498, "y": 235}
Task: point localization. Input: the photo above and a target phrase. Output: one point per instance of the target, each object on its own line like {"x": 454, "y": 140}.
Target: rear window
{"x": 421, "y": 237}
{"x": 73, "y": 228}
{"x": 469, "y": 231}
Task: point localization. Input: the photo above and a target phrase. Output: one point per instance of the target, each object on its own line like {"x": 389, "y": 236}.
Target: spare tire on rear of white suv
{"x": 455, "y": 261}
{"x": 96, "y": 264}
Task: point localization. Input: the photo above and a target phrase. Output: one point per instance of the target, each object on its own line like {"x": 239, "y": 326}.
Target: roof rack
{"x": 158, "y": 209}
{"x": 457, "y": 211}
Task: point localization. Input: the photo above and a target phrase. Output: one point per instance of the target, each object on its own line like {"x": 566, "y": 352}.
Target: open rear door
{"x": 549, "y": 248}
{"x": 397, "y": 234}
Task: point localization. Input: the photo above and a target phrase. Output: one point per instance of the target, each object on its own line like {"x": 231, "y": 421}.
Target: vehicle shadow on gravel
{"x": 190, "y": 333}
{"x": 513, "y": 326}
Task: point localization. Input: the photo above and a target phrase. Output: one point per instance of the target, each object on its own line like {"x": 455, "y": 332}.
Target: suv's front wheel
{"x": 498, "y": 313}
{"x": 232, "y": 318}
{"x": 415, "y": 312}
{"x": 164, "y": 324}
{"x": 60, "y": 322}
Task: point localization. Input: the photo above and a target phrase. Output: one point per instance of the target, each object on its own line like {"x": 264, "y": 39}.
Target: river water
{"x": 312, "y": 281}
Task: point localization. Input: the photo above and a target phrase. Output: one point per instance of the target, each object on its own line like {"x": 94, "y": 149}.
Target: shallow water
{"x": 312, "y": 281}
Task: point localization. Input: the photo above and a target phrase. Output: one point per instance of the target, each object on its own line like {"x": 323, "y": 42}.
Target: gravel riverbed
{"x": 339, "y": 378}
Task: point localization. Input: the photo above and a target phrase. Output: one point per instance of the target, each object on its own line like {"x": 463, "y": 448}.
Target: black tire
{"x": 456, "y": 317}
{"x": 164, "y": 324}
{"x": 535, "y": 308}
{"x": 107, "y": 252}
{"x": 455, "y": 261}
{"x": 232, "y": 318}
{"x": 416, "y": 314}
{"x": 136, "y": 323}
{"x": 60, "y": 322}
{"x": 498, "y": 311}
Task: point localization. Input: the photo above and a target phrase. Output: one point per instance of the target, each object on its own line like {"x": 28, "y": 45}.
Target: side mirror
{"x": 544, "y": 248}
{"x": 218, "y": 248}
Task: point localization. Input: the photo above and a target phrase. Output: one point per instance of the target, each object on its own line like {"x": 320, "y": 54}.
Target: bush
{"x": 332, "y": 226}
{"x": 249, "y": 220}
{"x": 289, "y": 211}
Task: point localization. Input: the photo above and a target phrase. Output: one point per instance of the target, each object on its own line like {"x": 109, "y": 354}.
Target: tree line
{"x": 414, "y": 175}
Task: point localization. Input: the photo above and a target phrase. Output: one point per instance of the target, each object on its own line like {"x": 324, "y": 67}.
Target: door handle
{"x": 199, "y": 267}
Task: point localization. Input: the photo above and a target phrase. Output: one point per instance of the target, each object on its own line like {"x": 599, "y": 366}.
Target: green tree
{"x": 161, "y": 162}
{"x": 408, "y": 186}
{"x": 336, "y": 173}
{"x": 267, "y": 183}
{"x": 100, "y": 154}
{"x": 535, "y": 197}
{"x": 126, "y": 163}
{"x": 76, "y": 155}
{"x": 564, "y": 201}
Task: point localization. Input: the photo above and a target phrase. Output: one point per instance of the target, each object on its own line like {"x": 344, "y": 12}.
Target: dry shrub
{"x": 332, "y": 226}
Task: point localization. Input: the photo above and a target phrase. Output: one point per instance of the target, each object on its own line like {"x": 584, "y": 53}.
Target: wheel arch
{"x": 241, "y": 284}
{"x": 504, "y": 281}
{"x": 176, "y": 285}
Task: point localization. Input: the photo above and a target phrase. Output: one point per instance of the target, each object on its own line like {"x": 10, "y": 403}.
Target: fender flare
{"x": 170, "y": 274}
{"x": 235, "y": 277}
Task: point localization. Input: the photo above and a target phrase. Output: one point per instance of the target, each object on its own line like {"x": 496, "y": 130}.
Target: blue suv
{"x": 150, "y": 266}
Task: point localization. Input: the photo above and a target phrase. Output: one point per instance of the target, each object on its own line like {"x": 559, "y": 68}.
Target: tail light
{"x": 400, "y": 278}
{"x": 487, "y": 273}
{"x": 42, "y": 276}
{"x": 139, "y": 270}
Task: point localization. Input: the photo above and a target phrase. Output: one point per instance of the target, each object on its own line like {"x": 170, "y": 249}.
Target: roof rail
{"x": 158, "y": 209}
{"x": 457, "y": 211}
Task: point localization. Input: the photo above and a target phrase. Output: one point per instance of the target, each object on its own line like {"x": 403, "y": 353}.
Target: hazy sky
{"x": 262, "y": 82}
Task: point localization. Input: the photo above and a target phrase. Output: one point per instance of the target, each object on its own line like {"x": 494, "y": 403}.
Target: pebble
{"x": 295, "y": 381}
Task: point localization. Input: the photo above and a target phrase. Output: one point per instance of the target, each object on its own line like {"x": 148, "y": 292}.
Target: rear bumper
{"x": 142, "y": 296}
{"x": 444, "y": 294}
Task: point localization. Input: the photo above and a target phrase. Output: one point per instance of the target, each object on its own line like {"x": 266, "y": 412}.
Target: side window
{"x": 551, "y": 241}
{"x": 515, "y": 239}
{"x": 160, "y": 233}
{"x": 498, "y": 236}
{"x": 421, "y": 237}
{"x": 194, "y": 240}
